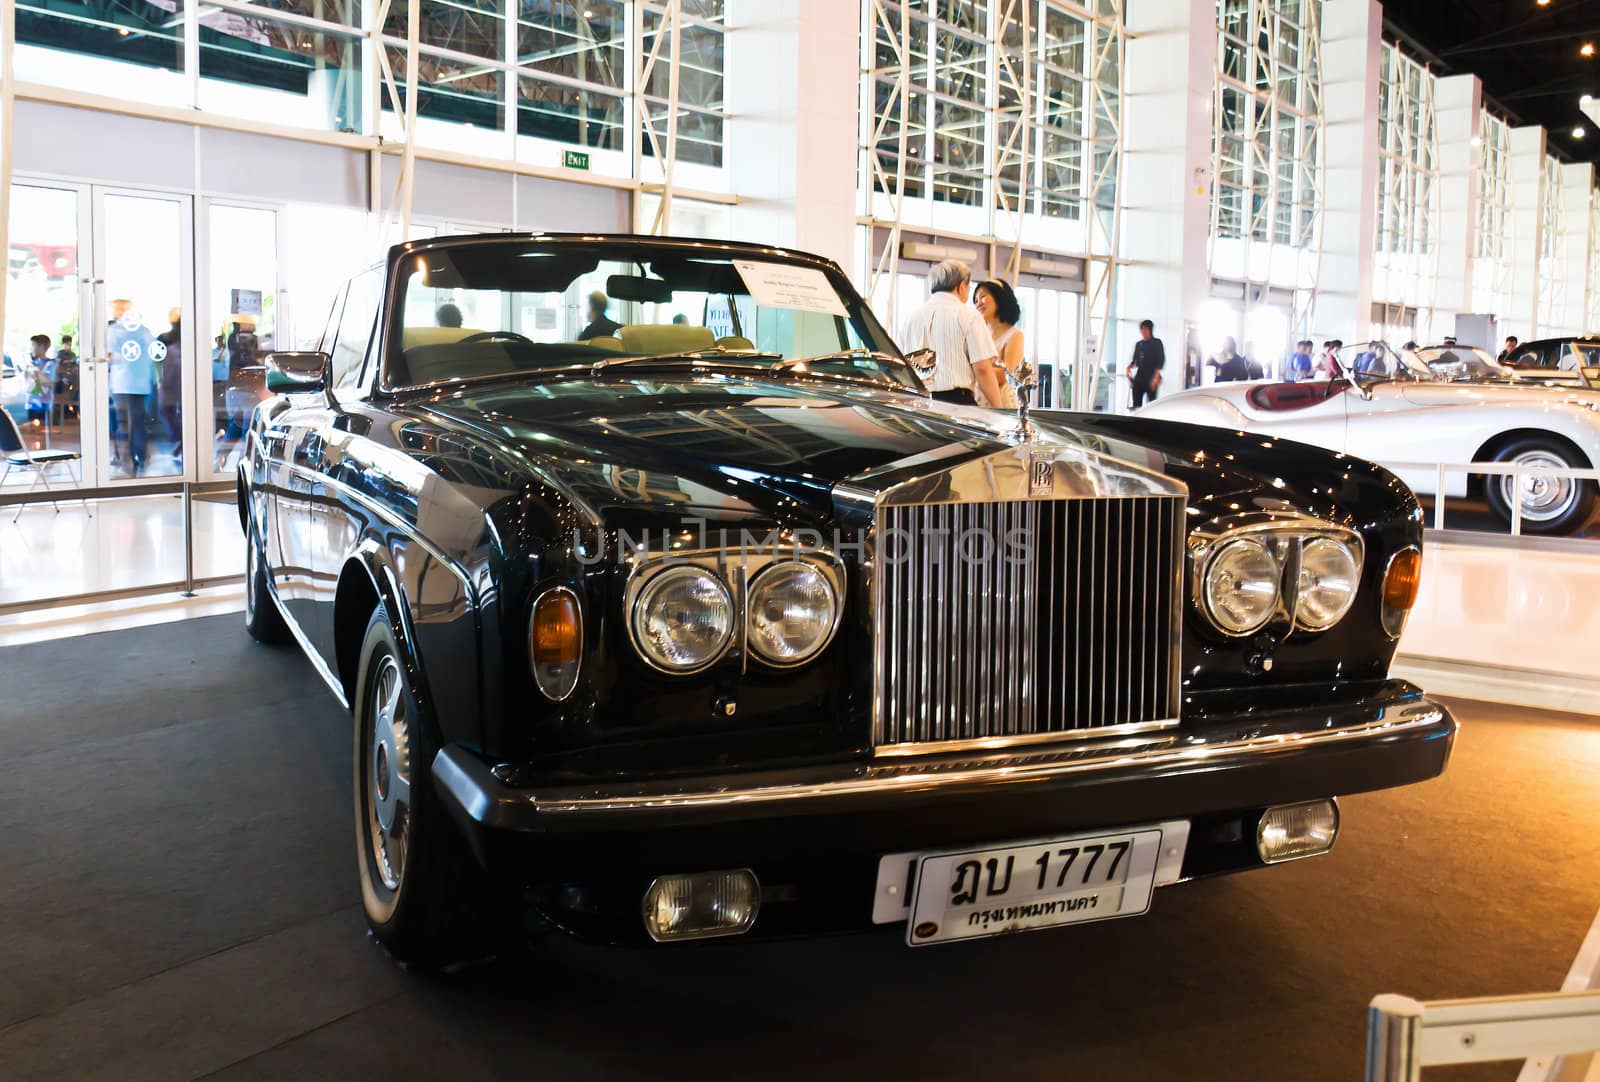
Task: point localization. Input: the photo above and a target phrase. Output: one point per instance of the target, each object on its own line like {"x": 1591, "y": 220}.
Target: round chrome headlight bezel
{"x": 645, "y": 604}
{"x": 770, "y": 579}
{"x": 1230, "y": 555}
{"x": 1328, "y": 561}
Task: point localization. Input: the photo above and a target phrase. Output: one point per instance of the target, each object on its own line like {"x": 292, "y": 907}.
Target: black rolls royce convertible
{"x": 701, "y": 618}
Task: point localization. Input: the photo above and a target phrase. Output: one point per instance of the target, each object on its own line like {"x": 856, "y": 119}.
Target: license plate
{"x": 1044, "y": 884}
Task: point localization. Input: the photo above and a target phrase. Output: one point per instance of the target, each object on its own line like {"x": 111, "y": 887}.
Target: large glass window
{"x": 594, "y": 74}
{"x": 1011, "y": 108}
{"x": 1268, "y": 121}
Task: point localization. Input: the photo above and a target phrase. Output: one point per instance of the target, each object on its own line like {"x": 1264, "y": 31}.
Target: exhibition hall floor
{"x": 178, "y": 900}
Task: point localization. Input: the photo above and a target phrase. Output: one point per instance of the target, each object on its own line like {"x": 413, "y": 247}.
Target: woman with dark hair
{"x": 997, "y": 303}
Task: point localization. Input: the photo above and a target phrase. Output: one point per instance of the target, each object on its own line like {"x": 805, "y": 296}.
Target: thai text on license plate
{"x": 986, "y": 892}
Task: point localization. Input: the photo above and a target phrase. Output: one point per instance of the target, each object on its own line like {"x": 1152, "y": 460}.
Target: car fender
{"x": 1199, "y": 407}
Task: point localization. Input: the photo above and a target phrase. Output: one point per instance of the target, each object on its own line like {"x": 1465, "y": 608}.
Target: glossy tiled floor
{"x": 111, "y": 545}
{"x": 1498, "y": 606}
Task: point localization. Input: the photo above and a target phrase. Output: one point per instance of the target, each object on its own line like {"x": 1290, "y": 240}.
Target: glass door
{"x": 243, "y": 314}
{"x": 136, "y": 392}
{"x": 45, "y": 298}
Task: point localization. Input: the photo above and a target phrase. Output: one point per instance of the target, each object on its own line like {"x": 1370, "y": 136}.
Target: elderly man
{"x": 966, "y": 362}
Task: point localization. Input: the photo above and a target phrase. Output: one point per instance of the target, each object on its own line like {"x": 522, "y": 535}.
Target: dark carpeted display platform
{"x": 178, "y": 900}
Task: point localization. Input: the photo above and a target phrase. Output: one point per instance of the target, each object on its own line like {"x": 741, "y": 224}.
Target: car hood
{"x": 735, "y": 450}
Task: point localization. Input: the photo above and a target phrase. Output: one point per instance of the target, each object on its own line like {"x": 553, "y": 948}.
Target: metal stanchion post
{"x": 1393, "y": 1023}
{"x": 1516, "y": 501}
{"x": 188, "y": 539}
{"x": 1438, "y": 501}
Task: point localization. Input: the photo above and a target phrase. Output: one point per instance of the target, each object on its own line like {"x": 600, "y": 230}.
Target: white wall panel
{"x": 264, "y": 167}
{"x": 90, "y": 145}
{"x": 557, "y": 205}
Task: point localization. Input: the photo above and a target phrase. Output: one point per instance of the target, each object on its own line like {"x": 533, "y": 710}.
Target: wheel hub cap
{"x": 389, "y": 786}
{"x": 1542, "y": 498}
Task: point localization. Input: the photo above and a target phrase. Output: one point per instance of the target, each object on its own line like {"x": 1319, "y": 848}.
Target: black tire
{"x": 1549, "y": 506}
{"x": 261, "y": 616}
{"x": 422, "y": 891}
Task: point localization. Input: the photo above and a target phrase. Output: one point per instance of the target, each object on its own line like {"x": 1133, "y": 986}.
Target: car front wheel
{"x": 1548, "y": 504}
{"x": 418, "y": 881}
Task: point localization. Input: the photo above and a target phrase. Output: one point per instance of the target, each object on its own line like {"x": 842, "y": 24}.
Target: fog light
{"x": 1292, "y": 831}
{"x": 701, "y": 906}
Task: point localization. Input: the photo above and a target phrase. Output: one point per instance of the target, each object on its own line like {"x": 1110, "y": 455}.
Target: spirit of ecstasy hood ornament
{"x": 1023, "y": 381}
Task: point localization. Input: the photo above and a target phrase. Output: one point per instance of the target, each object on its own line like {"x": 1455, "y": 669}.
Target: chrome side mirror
{"x": 297, "y": 371}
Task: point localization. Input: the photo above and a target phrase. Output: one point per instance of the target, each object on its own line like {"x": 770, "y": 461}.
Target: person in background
{"x": 447, "y": 315}
{"x": 1144, "y": 370}
{"x": 41, "y": 380}
{"x": 133, "y": 378}
{"x": 1411, "y": 346}
{"x": 1299, "y": 366}
{"x": 171, "y": 381}
{"x": 1373, "y": 361}
{"x": 1509, "y": 354}
{"x": 997, "y": 303}
{"x": 1251, "y": 365}
{"x": 1229, "y": 364}
{"x": 966, "y": 368}
{"x": 600, "y": 324}
{"x": 66, "y": 397}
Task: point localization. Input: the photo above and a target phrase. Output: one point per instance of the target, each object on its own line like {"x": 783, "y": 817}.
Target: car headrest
{"x": 434, "y": 336}
{"x": 734, "y": 341}
{"x": 603, "y": 341}
{"x": 664, "y": 338}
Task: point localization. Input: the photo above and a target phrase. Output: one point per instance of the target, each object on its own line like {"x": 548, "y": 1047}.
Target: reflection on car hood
{"x": 736, "y": 450}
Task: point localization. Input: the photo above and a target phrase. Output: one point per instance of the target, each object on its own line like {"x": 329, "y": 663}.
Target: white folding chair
{"x": 19, "y": 457}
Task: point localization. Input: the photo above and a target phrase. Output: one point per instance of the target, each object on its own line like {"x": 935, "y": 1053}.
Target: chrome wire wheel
{"x": 1542, "y": 499}
{"x": 387, "y": 770}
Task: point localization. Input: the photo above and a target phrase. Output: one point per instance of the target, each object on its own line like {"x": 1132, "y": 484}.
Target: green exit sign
{"x": 575, "y": 159}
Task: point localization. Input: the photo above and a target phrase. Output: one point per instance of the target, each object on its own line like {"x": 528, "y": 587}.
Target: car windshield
{"x": 1463, "y": 363}
{"x": 1371, "y": 361}
{"x": 502, "y": 307}
{"x": 1584, "y": 356}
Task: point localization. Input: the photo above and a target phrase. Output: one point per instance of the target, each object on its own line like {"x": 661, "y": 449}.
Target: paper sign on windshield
{"x": 778, "y": 285}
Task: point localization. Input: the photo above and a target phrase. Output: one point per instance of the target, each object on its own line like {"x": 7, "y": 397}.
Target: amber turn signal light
{"x": 555, "y": 642}
{"x": 1400, "y": 583}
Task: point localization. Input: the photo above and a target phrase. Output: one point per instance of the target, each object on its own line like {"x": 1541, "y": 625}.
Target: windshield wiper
{"x": 856, "y": 354}
{"x": 705, "y": 354}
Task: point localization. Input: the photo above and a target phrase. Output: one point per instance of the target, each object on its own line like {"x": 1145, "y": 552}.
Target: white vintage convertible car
{"x": 1391, "y": 407}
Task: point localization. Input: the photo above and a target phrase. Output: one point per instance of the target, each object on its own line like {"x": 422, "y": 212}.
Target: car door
{"x": 1311, "y": 411}
{"x": 330, "y": 524}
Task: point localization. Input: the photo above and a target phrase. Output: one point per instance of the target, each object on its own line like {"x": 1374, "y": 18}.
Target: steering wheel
{"x": 495, "y": 336}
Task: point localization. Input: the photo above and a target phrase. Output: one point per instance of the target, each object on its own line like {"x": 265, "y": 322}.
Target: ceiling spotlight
{"x": 1542, "y": 3}
{"x": 1587, "y": 50}
{"x": 1577, "y": 133}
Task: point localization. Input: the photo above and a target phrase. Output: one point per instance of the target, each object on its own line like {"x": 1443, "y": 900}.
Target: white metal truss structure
{"x": 887, "y": 116}
{"x": 1004, "y": 115}
{"x": 1552, "y": 242}
{"x": 662, "y": 144}
{"x": 600, "y": 75}
{"x": 1494, "y": 232}
{"x": 1268, "y": 147}
{"x": 1591, "y": 307}
{"x": 1407, "y": 263}
{"x": 1104, "y": 128}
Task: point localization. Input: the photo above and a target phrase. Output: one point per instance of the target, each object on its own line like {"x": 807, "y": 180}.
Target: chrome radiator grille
{"x": 1065, "y": 623}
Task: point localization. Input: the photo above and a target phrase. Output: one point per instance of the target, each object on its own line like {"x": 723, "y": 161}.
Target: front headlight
{"x": 792, "y": 612}
{"x": 683, "y": 619}
{"x": 1241, "y": 587}
{"x": 1330, "y": 574}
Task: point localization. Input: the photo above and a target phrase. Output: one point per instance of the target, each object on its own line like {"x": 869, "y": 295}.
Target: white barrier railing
{"x": 1491, "y": 469}
{"x": 1404, "y": 1035}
